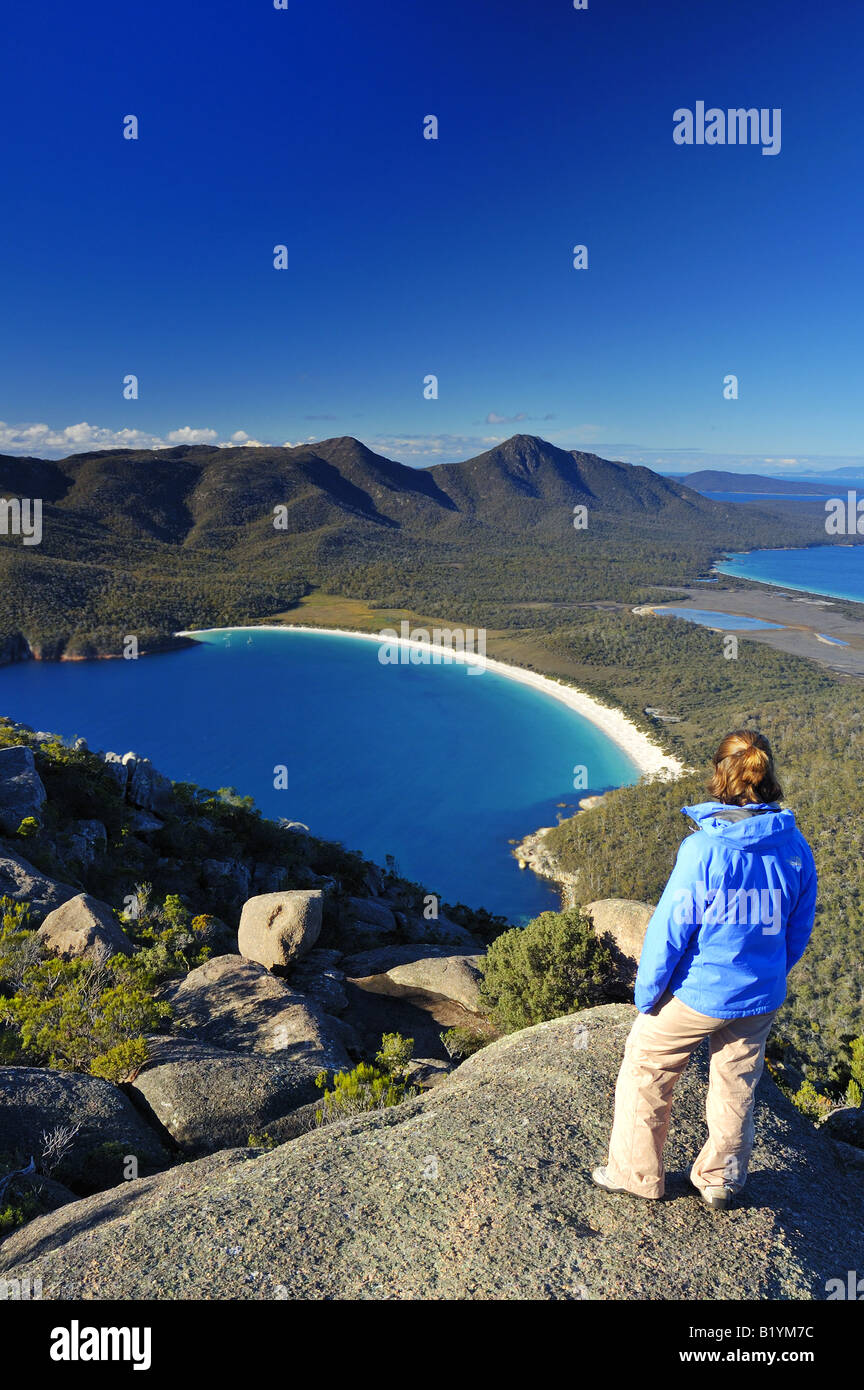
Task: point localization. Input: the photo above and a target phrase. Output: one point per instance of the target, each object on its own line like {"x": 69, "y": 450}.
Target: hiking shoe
{"x": 716, "y": 1198}
{"x": 600, "y": 1178}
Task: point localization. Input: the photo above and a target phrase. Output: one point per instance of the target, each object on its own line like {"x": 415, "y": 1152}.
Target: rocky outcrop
{"x": 210, "y": 1098}
{"x": 234, "y": 1003}
{"x": 268, "y": 878}
{"x": 367, "y": 923}
{"x": 427, "y": 1071}
{"x": 278, "y": 928}
{"x": 533, "y": 853}
{"x": 623, "y": 923}
{"x": 478, "y": 1189}
{"x": 227, "y": 878}
{"x": 21, "y": 791}
{"x": 23, "y": 883}
{"x": 84, "y": 927}
{"x": 117, "y": 771}
{"x": 34, "y": 1102}
{"x": 14, "y": 647}
{"x": 319, "y": 975}
{"x": 146, "y": 788}
{"x": 368, "y": 912}
{"x": 845, "y": 1124}
{"x": 246, "y": 1054}
{"x": 87, "y": 840}
{"x": 454, "y": 977}
{"x": 380, "y": 959}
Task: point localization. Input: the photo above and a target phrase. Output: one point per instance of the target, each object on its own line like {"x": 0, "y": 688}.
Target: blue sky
{"x": 408, "y": 257}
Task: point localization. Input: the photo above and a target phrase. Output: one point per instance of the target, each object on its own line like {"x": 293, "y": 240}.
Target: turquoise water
{"x": 705, "y": 618}
{"x": 834, "y": 570}
{"x": 428, "y": 763}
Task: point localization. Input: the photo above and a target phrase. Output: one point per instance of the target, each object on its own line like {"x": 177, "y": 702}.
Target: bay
{"x": 834, "y": 570}
{"x": 436, "y": 767}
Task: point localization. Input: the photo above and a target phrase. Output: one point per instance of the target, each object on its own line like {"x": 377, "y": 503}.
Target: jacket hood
{"x": 764, "y": 823}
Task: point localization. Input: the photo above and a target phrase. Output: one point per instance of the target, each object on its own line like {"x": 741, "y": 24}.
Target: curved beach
{"x": 643, "y": 752}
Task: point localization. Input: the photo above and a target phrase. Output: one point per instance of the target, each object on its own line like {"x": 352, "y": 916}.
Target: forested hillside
{"x": 151, "y": 542}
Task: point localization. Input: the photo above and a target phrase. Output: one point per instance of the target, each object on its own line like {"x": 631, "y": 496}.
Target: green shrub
{"x": 169, "y": 941}
{"x": 553, "y": 966}
{"x": 809, "y": 1101}
{"x": 75, "y": 1014}
{"x": 394, "y": 1055}
{"x": 122, "y": 1061}
{"x": 261, "y": 1141}
{"x": 855, "y": 1087}
{"x": 370, "y": 1085}
{"x": 464, "y": 1042}
{"x": 18, "y": 1212}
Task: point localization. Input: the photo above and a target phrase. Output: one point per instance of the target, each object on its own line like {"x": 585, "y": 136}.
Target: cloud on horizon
{"x": 46, "y": 442}
{"x": 417, "y": 450}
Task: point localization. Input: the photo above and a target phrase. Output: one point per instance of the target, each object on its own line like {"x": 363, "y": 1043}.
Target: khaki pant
{"x": 657, "y": 1051}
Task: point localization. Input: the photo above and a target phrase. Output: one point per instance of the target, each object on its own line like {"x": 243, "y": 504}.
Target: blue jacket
{"x": 735, "y": 916}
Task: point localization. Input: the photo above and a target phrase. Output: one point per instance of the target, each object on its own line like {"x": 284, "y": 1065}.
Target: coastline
{"x": 646, "y": 755}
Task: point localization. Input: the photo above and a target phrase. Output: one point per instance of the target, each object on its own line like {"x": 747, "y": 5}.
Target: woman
{"x": 734, "y": 918}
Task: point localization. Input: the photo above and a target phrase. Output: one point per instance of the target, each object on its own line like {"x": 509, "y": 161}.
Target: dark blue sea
{"x": 437, "y": 767}
{"x": 836, "y": 571}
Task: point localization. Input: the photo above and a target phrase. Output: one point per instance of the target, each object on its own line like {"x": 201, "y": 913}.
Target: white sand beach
{"x": 647, "y": 755}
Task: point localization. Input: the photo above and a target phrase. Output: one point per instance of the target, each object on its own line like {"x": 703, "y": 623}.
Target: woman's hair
{"x": 744, "y": 770}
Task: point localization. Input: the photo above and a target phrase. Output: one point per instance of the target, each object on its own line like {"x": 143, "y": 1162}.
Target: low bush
{"x": 553, "y": 966}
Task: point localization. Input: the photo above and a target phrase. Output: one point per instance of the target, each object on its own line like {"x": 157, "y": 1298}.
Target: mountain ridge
{"x": 153, "y": 541}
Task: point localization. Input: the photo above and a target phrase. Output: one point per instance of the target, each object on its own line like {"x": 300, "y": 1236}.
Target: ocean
{"x": 836, "y": 571}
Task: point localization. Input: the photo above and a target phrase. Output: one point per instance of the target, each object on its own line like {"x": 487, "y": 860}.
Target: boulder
{"x": 365, "y": 923}
{"x": 35, "y": 1102}
{"x": 146, "y": 788}
{"x": 479, "y": 1189}
{"x": 849, "y": 1156}
{"x": 21, "y": 791}
{"x": 846, "y": 1125}
{"x": 373, "y": 879}
{"x": 87, "y": 839}
{"x": 20, "y": 881}
{"x": 84, "y": 927}
{"x": 228, "y": 878}
{"x": 269, "y": 878}
{"x": 438, "y": 931}
{"x": 454, "y": 977}
{"x": 117, "y": 770}
{"x": 381, "y": 959}
{"x": 319, "y": 976}
{"x": 233, "y": 1003}
{"x": 370, "y": 912}
{"x": 49, "y": 1194}
{"x": 145, "y": 823}
{"x": 277, "y": 928}
{"x": 623, "y": 923}
{"x": 210, "y": 1098}
{"x": 427, "y": 1071}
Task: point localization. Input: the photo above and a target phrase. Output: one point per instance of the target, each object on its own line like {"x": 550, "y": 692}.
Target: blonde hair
{"x": 744, "y": 770}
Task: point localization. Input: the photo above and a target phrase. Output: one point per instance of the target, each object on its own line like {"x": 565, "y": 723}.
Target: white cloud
{"x": 47, "y": 442}
{"x": 186, "y": 435}
{"x": 43, "y": 439}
